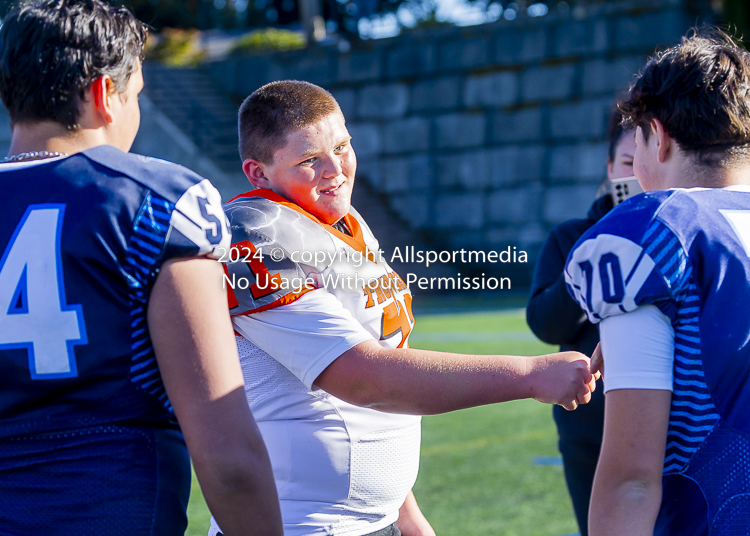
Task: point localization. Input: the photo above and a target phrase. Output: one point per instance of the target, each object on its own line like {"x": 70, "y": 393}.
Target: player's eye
{"x": 344, "y": 146}
{"x": 307, "y": 162}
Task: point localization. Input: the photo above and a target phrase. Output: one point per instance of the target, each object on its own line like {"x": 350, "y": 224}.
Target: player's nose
{"x": 332, "y": 167}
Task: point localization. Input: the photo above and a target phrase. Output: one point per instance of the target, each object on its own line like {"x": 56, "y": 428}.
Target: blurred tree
{"x": 169, "y": 13}
{"x": 737, "y": 13}
{"x": 343, "y": 16}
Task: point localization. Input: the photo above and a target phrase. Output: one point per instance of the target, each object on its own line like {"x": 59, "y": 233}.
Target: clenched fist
{"x": 563, "y": 378}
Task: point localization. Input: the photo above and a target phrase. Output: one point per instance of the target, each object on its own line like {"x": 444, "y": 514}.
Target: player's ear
{"x": 663, "y": 140}
{"x": 255, "y": 173}
{"x": 610, "y": 169}
{"x": 100, "y": 93}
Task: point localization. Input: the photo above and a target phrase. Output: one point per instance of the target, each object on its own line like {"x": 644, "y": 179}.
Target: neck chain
{"x": 33, "y": 155}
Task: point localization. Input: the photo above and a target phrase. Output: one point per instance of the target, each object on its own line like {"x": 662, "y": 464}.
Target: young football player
{"x": 666, "y": 275}
{"x": 325, "y": 325}
{"x": 112, "y": 316}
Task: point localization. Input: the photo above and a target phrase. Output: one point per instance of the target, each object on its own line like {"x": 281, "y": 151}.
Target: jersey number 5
{"x": 33, "y": 310}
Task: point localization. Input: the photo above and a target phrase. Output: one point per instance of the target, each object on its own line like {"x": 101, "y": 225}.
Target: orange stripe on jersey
{"x": 272, "y": 282}
{"x": 284, "y": 300}
{"x": 231, "y": 298}
{"x": 356, "y": 241}
{"x": 397, "y": 318}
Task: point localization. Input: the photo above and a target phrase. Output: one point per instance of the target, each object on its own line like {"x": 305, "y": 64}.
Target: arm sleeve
{"x": 638, "y": 349}
{"x": 306, "y": 335}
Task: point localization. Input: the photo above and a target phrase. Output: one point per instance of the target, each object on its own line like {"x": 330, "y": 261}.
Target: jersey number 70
{"x": 33, "y": 311}
{"x": 607, "y": 272}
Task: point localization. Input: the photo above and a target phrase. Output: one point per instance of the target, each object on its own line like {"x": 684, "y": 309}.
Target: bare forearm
{"x": 233, "y": 468}
{"x": 624, "y": 508}
{"x": 626, "y": 496}
{"x": 423, "y": 382}
{"x": 241, "y": 494}
{"x": 427, "y": 382}
{"x": 411, "y": 521}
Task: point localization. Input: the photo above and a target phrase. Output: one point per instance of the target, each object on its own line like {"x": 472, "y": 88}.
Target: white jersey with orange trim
{"x": 304, "y": 293}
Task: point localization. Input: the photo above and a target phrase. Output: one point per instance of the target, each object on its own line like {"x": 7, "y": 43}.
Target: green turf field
{"x": 478, "y": 475}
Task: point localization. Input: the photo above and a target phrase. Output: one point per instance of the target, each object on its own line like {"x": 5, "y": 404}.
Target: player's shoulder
{"x": 361, "y": 221}
{"x": 197, "y": 225}
{"x": 677, "y": 214}
{"x": 279, "y": 246}
{"x": 267, "y": 219}
{"x": 691, "y": 210}
{"x": 261, "y": 211}
{"x": 624, "y": 231}
{"x": 631, "y": 219}
{"x": 168, "y": 180}
{"x": 617, "y": 264}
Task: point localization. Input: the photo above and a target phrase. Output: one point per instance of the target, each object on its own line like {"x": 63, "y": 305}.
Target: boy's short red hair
{"x": 275, "y": 110}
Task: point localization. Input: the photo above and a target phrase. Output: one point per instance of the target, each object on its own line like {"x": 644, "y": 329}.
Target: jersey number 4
{"x": 33, "y": 310}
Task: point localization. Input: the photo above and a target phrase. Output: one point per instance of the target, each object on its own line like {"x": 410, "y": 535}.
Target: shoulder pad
{"x": 631, "y": 218}
{"x": 276, "y": 255}
{"x": 362, "y": 223}
{"x": 615, "y": 266}
{"x": 167, "y": 179}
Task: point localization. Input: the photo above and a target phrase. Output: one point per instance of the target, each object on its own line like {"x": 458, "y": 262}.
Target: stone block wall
{"x": 483, "y": 136}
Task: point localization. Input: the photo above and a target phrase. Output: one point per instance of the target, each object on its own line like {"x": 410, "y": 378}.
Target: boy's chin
{"x": 331, "y": 212}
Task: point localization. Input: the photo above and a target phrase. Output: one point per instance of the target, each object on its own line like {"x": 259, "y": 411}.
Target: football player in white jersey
{"x": 324, "y": 326}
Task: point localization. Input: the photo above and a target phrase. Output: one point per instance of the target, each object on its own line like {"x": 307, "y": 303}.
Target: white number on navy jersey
{"x": 606, "y": 273}
{"x": 740, "y": 222}
{"x": 199, "y": 216}
{"x": 33, "y": 311}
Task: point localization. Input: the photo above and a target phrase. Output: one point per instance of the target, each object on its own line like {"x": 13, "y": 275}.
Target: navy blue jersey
{"x": 686, "y": 252}
{"x": 82, "y": 241}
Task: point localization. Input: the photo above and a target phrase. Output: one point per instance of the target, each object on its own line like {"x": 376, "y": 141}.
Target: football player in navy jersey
{"x": 667, "y": 277}
{"x": 113, "y": 321}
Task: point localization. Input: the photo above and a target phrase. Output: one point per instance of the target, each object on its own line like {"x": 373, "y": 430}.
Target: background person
{"x": 667, "y": 276}
{"x": 556, "y": 318}
{"x": 112, "y": 317}
{"x": 328, "y": 371}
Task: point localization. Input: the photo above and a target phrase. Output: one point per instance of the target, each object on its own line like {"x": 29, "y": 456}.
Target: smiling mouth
{"x": 332, "y": 191}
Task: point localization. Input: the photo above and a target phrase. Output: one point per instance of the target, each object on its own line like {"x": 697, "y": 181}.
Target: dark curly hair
{"x": 51, "y": 51}
{"x": 700, "y": 91}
